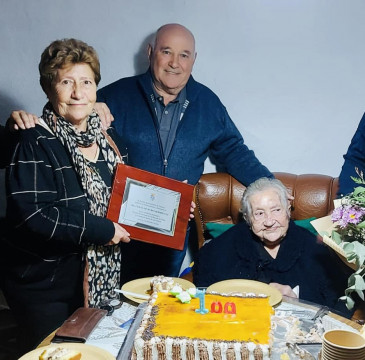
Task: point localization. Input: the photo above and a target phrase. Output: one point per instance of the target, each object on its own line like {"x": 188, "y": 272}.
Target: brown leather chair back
{"x": 218, "y": 197}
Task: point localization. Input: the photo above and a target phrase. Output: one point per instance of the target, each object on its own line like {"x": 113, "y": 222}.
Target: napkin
{"x": 296, "y": 291}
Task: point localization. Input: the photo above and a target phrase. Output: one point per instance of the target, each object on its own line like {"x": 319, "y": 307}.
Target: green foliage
{"x": 350, "y": 236}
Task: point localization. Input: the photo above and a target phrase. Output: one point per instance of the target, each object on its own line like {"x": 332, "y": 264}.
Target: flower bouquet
{"x": 345, "y": 233}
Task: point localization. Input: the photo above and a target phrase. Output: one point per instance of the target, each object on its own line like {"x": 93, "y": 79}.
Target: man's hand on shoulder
{"x": 19, "y": 119}
{"x": 104, "y": 113}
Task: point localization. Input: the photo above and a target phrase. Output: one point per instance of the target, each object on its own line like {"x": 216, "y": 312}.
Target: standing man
{"x": 170, "y": 124}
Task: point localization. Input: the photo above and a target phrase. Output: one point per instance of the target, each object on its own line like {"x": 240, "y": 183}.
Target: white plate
{"x": 247, "y": 286}
{"x": 142, "y": 286}
{"x": 88, "y": 352}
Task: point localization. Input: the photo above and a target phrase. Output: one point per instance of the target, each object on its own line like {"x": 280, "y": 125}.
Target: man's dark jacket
{"x": 205, "y": 130}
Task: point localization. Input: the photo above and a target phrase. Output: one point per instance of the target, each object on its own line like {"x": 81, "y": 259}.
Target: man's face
{"x": 172, "y": 59}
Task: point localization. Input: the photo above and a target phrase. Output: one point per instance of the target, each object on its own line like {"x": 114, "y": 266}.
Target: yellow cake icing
{"x": 236, "y": 327}
{"x": 250, "y": 322}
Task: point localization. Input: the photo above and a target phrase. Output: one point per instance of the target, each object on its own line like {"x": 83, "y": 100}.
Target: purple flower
{"x": 348, "y": 214}
{"x": 337, "y": 214}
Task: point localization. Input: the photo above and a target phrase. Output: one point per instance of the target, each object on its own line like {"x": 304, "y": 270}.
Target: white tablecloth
{"x": 109, "y": 335}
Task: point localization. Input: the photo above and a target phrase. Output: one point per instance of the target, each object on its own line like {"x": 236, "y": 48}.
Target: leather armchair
{"x": 218, "y": 198}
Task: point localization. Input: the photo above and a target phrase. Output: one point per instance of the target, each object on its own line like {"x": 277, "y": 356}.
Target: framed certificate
{"x": 151, "y": 207}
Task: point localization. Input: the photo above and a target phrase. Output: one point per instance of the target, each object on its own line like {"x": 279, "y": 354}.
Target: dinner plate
{"x": 247, "y": 286}
{"x": 142, "y": 286}
{"x": 88, "y": 352}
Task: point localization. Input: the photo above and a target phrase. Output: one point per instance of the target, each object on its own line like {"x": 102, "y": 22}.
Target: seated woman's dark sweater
{"x": 301, "y": 260}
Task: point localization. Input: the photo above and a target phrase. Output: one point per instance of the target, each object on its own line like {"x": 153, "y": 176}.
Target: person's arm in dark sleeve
{"x": 233, "y": 156}
{"x": 203, "y": 269}
{"x": 9, "y": 134}
{"x": 35, "y": 204}
{"x": 354, "y": 158}
{"x": 217, "y": 258}
{"x": 8, "y": 141}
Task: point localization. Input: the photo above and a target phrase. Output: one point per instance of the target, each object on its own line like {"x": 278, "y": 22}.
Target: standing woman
{"x": 58, "y": 188}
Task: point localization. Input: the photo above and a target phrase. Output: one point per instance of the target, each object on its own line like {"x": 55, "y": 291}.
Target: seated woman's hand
{"x": 284, "y": 289}
{"x": 120, "y": 235}
{"x": 20, "y": 119}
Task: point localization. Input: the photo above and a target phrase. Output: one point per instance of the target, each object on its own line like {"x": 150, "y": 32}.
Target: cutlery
{"x": 304, "y": 354}
{"x": 307, "y": 324}
{"x": 324, "y": 310}
{"x": 130, "y": 293}
{"x": 127, "y": 323}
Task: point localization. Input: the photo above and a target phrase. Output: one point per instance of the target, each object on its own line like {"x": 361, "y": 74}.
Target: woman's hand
{"x": 104, "y": 113}
{"x": 20, "y": 119}
{"x": 120, "y": 235}
{"x": 284, "y": 289}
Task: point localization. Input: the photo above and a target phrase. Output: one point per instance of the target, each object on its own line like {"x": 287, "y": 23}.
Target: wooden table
{"x": 47, "y": 340}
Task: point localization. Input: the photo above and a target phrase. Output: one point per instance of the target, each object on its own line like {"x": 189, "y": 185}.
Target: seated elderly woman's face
{"x": 270, "y": 220}
{"x": 73, "y": 93}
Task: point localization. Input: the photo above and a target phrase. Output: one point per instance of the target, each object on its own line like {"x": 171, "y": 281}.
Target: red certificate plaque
{"x": 152, "y": 208}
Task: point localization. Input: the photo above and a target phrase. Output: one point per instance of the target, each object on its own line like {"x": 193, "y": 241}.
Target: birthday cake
{"x": 235, "y": 327}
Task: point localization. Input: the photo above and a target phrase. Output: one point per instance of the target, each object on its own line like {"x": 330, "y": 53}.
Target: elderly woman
{"x": 269, "y": 247}
{"x": 58, "y": 187}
